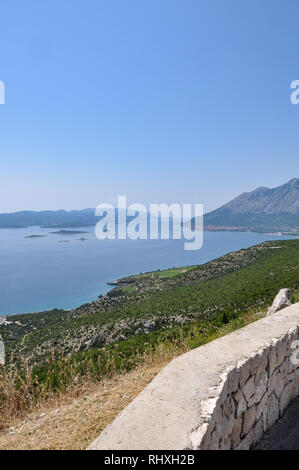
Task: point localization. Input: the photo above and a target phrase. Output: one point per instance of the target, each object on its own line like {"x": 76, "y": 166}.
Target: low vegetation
{"x": 75, "y": 398}
{"x": 145, "y": 319}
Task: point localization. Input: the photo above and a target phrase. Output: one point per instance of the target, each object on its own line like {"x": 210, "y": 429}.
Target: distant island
{"x": 68, "y": 232}
{"x": 35, "y": 236}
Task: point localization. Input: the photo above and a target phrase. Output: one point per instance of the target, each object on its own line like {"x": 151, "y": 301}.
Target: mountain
{"x": 261, "y": 210}
{"x": 52, "y": 219}
{"x": 58, "y": 219}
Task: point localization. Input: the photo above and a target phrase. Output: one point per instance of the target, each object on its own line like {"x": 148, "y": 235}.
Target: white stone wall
{"x": 252, "y": 396}
{"x": 222, "y": 395}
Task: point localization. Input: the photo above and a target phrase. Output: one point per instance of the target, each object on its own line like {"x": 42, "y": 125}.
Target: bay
{"x": 62, "y": 271}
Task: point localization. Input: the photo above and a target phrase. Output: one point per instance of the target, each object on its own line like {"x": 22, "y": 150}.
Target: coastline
{"x": 144, "y": 303}
{"x": 215, "y": 246}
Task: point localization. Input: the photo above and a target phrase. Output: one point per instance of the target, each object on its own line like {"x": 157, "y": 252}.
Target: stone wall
{"x": 252, "y": 396}
{"x": 223, "y": 395}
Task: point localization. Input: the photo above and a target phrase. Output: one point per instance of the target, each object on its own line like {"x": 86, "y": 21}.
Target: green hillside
{"x": 216, "y": 292}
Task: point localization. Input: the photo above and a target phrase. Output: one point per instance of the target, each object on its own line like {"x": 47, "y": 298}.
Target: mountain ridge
{"x": 49, "y": 219}
{"x": 263, "y": 209}
{"x": 282, "y": 199}
{"x": 52, "y": 219}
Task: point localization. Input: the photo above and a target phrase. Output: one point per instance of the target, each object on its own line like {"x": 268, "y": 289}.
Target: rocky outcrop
{"x": 281, "y": 301}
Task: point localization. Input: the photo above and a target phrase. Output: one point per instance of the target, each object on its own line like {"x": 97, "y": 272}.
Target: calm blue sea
{"x": 41, "y": 273}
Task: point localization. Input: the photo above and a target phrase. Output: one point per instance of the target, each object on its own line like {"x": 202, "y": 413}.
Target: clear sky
{"x": 160, "y": 100}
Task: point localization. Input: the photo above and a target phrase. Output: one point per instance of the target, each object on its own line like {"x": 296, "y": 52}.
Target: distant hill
{"x": 262, "y": 210}
{"x": 52, "y": 219}
{"x": 49, "y": 219}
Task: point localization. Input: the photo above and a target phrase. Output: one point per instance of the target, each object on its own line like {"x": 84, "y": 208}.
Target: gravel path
{"x": 284, "y": 435}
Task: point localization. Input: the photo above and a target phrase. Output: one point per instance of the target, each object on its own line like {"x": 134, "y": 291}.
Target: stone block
{"x": 240, "y": 402}
{"x": 229, "y": 407}
{"x": 281, "y": 351}
{"x": 259, "y": 362}
{"x": 261, "y": 406}
{"x": 236, "y": 433}
{"x": 272, "y": 359}
{"x": 256, "y": 432}
{"x": 276, "y": 384}
{"x": 199, "y": 437}
{"x": 287, "y": 395}
{"x": 281, "y": 301}
{"x": 225, "y": 444}
{"x": 271, "y": 412}
{"x": 243, "y": 371}
{"x": 249, "y": 388}
{"x": 232, "y": 380}
{"x": 248, "y": 420}
{"x": 261, "y": 384}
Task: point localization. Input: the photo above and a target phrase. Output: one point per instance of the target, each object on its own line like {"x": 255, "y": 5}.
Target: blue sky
{"x": 160, "y": 100}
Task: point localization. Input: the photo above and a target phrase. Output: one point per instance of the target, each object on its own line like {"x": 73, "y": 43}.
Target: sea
{"x": 66, "y": 270}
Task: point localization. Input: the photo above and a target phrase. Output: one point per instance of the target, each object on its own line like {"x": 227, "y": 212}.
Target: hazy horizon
{"x": 113, "y": 202}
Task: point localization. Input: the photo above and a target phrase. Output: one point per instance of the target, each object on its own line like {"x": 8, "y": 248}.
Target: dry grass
{"x": 75, "y": 417}
{"x": 23, "y": 393}
{"x": 74, "y": 423}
